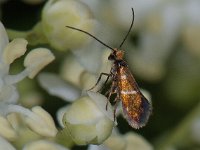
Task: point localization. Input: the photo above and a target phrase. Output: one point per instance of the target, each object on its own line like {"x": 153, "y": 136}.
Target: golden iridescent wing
{"x": 136, "y": 108}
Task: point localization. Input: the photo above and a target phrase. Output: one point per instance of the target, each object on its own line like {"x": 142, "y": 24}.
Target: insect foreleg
{"x": 105, "y": 74}
{"x": 104, "y": 83}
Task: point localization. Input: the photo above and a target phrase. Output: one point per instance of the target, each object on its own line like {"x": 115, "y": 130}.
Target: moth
{"x": 136, "y": 108}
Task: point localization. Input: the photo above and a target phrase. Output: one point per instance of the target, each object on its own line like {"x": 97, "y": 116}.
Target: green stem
{"x": 13, "y": 34}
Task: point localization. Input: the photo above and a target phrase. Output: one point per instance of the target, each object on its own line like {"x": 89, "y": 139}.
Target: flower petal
{"x": 14, "y": 50}
{"x": 88, "y": 80}
{"x": 37, "y": 59}
{"x": 4, "y": 38}
{"x": 5, "y": 145}
{"x": 43, "y": 145}
{"x": 6, "y": 130}
{"x": 136, "y": 141}
{"x": 38, "y": 119}
{"x": 44, "y": 125}
{"x": 101, "y": 102}
{"x": 56, "y": 86}
{"x": 57, "y": 14}
{"x": 71, "y": 70}
{"x": 97, "y": 147}
{"x": 115, "y": 142}
{"x": 60, "y": 114}
{"x": 87, "y": 55}
{"x": 9, "y": 94}
{"x": 86, "y": 123}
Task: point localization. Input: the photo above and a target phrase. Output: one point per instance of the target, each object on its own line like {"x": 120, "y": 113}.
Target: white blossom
{"x": 86, "y": 122}
{"x": 8, "y": 53}
{"x": 56, "y": 15}
{"x": 38, "y": 119}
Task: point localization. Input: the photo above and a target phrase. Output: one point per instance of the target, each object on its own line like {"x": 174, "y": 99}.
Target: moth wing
{"x": 137, "y": 118}
{"x": 136, "y": 108}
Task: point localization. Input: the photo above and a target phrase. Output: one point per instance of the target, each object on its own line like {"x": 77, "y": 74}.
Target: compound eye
{"x": 111, "y": 57}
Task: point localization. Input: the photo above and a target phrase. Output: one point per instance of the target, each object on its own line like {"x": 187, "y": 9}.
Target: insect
{"x": 136, "y": 108}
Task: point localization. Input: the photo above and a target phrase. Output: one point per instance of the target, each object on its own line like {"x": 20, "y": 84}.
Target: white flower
{"x": 84, "y": 67}
{"x": 86, "y": 122}
{"x": 79, "y": 71}
{"x": 6, "y": 130}
{"x": 128, "y": 141}
{"x": 38, "y": 119}
{"x": 56, "y": 15}
{"x": 41, "y": 122}
{"x": 136, "y": 141}
{"x": 37, "y": 59}
{"x": 58, "y": 87}
{"x": 11, "y": 51}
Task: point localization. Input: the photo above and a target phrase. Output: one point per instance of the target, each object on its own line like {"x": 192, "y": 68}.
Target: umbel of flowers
{"x": 84, "y": 120}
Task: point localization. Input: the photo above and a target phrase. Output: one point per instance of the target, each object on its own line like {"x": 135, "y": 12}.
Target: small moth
{"x": 136, "y": 108}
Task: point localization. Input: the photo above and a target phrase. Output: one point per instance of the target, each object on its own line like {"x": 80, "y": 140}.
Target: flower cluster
{"x": 12, "y": 115}
{"x": 162, "y": 49}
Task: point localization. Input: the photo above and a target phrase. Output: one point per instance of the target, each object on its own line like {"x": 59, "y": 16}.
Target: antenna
{"x": 91, "y": 36}
{"x": 128, "y": 30}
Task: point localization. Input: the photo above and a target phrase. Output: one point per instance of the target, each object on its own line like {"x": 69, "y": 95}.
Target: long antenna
{"x": 91, "y": 36}
{"x": 128, "y": 30}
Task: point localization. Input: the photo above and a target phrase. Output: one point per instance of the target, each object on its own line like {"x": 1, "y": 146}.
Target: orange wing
{"x": 136, "y": 108}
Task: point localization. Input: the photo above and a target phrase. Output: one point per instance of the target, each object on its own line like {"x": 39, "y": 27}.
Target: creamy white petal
{"x": 44, "y": 145}
{"x": 6, "y": 129}
{"x": 86, "y": 123}
{"x": 59, "y": 115}
{"x": 101, "y": 101}
{"x": 38, "y": 119}
{"x": 4, "y": 38}
{"x": 14, "y": 49}
{"x": 37, "y": 59}
{"x": 5, "y": 145}
{"x": 42, "y": 122}
{"x": 58, "y": 87}
{"x": 9, "y": 94}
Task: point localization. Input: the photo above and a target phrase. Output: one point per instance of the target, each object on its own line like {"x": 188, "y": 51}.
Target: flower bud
{"x": 86, "y": 123}
{"x": 4, "y": 37}
{"x": 37, "y": 59}
{"x": 136, "y": 141}
{"x": 14, "y": 49}
{"x": 57, "y": 15}
{"x": 41, "y": 122}
{"x": 127, "y": 142}
{"x": 71, "y": 70}
{"x": 6, "y": 130}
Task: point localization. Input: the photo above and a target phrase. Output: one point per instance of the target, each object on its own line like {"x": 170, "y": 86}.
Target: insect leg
{"x": 106, "y": 74}
{"x": 117, "y": 100}
{"x": 104, "y": 83}
{"x": 111, "y": 91}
